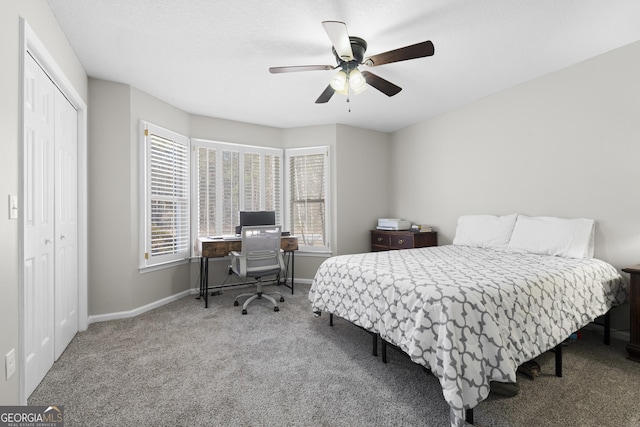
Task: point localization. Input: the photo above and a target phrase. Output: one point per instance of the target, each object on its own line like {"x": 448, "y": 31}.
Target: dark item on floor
{"x": 530, "y": 369}
{"x": 504, "y": 389}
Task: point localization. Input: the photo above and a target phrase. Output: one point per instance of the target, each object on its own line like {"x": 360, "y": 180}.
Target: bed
{"x": 473, "y": 311}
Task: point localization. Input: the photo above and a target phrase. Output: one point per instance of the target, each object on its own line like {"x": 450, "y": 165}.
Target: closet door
{"x": 38, "y": 224}
{"x": 50, "y": 224}
{"x": 66, "y": 223}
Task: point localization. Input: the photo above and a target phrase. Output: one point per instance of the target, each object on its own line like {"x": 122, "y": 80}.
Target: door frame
{"x": 31, "y": 44}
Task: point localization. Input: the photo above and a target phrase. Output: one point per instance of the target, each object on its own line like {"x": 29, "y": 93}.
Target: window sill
{"x": 319, "y": 254}
{"x": 162, "y": 266}
{"x": 298, "y": 253}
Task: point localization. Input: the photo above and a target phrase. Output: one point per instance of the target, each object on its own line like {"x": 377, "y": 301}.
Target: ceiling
{"x": 211, "y": 57}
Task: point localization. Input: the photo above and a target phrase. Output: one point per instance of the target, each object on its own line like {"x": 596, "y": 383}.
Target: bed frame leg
{"x": 330, "y": 319}
{"x": 558, "y": 351}
{"x": 468, "y": 415}
{"x": 607, "y": 328}
{"x": 383, "y": 350}
{"x": 374, "y": 338}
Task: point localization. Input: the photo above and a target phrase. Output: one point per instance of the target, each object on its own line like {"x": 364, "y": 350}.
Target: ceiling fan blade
{"x": 337, "y": 32}
{"x": 326, "y": 95}
{"x": 381, "y": 84}
{"x": 418, "y": 50}
{"x": 294, "y": 68}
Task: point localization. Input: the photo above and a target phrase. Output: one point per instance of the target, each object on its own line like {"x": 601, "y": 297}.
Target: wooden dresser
{"x": 633, "y": 347}
{"x": 382, "y": 240}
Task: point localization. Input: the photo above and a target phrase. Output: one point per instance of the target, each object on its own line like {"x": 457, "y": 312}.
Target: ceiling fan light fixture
{"x": 357, "y": 81}
{"x": 360, "y": 90}
{"x": 344, "y": 90}
{"x": 339, "y": 81}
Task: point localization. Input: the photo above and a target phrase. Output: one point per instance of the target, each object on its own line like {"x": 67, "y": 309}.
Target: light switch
{"x": 10, "y": 363}
{"x": 13, "y": 206}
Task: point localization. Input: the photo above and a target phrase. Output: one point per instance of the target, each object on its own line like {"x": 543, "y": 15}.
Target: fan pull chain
{"x": 348, "y": 89}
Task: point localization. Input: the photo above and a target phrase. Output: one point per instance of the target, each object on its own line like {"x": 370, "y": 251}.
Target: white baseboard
{"x": 137, "y": 311}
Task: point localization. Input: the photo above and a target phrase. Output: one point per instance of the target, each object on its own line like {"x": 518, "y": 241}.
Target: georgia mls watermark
{"x": 31, "y": 416}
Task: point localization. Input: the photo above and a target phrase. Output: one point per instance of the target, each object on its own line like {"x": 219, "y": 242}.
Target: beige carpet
{"x": 184, "y": 365}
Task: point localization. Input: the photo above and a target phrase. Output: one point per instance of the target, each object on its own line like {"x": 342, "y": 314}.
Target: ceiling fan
{"x": 349, "y": 53}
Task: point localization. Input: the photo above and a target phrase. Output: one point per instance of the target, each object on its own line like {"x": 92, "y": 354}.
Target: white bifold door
{"x": 50, "y": 226}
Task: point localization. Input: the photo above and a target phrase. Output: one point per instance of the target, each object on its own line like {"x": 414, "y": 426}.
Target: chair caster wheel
{"x": 236, "y": 303}
{"x": 276, "y": 308}
{"x": 281, "y": 299}
{"x": 244, "y": 311}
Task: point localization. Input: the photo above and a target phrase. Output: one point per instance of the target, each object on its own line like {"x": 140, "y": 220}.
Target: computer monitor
{"x": 249, "y": 218}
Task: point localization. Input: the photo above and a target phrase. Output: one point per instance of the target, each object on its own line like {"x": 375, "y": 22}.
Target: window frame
{"x": 302, "y": 151}
{"x": 242, "y": 149}
{"x": 147, "y": 261}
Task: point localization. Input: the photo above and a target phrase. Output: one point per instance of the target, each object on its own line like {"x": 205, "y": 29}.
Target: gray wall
{"x": 115, "y": 111}
{"x": 361, "y": 186}
{"x": 109, "y": 205}
{"x": 565, "y": 145}
{"x": 44, "y": 24}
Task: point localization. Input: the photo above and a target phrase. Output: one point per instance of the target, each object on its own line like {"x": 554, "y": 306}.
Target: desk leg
{"x": 292, "y": 270}
{"x": 204, "y": 280}
{"x": 290, "y": 260}
{"x": 201, "y": 278}
{"x": 206, "y": 283}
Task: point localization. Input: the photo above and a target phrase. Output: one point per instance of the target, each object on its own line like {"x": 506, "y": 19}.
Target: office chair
{"x": 259, "y": 256}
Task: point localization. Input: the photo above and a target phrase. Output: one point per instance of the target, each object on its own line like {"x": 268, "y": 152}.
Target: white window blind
{"x": 308, "y": 179}
{"x": 252, "y": 182}
{"x": 231, "y": 178}
{"x": 206, "y": 194}
{"x": 273, "y": 185}
{"x": 166, "y": 185}
{"x": 229, "y": 170}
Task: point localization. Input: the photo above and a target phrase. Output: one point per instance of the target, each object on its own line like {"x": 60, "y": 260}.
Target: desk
{"x": 218, "y": 248}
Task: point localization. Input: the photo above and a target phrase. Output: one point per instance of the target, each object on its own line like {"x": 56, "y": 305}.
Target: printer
{"x": 393, "y": 224}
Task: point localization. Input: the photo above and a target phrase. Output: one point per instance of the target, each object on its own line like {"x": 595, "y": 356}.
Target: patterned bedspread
{"x": 471, "y": 315}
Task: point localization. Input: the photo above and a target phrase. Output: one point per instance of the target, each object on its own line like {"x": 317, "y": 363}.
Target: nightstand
{"x": 383, "y": 240}
{"x": 633, "y": 347}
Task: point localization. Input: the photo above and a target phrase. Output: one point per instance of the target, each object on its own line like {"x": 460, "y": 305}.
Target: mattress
{"x": 471, "y": 315}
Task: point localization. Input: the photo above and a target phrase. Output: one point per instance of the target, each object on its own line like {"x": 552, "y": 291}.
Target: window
{"x": 166, "y": 196}
{"x": 199, "y": 194}
{"x": 307, "y": 197}
{"x": 230, "y": 178}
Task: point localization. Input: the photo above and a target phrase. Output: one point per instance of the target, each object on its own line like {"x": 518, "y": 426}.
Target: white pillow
{"x": 569, "y": 238}
{"x": 485, "y": 231}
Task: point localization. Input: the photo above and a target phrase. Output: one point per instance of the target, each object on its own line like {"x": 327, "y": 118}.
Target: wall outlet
{"x": 10, "y": 363}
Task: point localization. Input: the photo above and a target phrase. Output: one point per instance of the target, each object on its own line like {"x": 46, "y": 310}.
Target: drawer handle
{"x": 379, "y": 239}
{"x": 401, "y": 241}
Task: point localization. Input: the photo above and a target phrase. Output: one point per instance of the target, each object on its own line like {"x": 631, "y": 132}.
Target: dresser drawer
{"x": 380, "y": 241}
{"x": 401, "y": 241}
{"x": 383, "y": 240}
